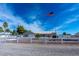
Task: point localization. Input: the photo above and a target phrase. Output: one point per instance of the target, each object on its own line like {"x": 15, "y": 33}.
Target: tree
{"x": 5, "y": 25}
{"x": 37, "y": 35}
{"x": 64, "y": 33}
{"x": 29, "y": 30}
{"x": 20, "y": 29}
{"x": 1, "y": 29}
{"x": 14, "y": 32}
{"x": 8, "y": 30}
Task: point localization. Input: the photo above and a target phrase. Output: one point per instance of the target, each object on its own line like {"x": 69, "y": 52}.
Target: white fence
{"x": 47, "y": 40}
{"x": 37, "y": 40}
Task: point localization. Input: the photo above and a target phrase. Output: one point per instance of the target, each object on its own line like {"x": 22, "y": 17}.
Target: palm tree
{"x": 1, "y": 29}
{"x": 5, "y": 25}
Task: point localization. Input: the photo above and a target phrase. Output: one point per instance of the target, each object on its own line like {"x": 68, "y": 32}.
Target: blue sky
{"x": 34, "y": 16}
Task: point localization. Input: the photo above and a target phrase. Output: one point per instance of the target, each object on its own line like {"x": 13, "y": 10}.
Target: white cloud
{"x": 35, "y": 26}
{"x": 16, "y": 20}
{"x": 72, "y": 9}
{"x": 69, "y": 21}
{"x": 7, "y": 15}
{"x": 33, "y": 17}
{"x": 58, "y": 27}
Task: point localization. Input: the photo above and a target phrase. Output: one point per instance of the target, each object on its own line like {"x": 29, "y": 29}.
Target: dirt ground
{"x": 21, "y": 49}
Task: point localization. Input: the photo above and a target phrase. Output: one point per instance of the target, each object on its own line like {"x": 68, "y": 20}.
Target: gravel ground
{"x": 20, "y": 49}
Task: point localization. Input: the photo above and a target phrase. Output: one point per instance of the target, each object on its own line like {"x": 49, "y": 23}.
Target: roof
{"x": 5, "y": 33}
{"x": 77, "y": 33}
{"x": 46, "y": 32}
{"x": 28, "y": 33}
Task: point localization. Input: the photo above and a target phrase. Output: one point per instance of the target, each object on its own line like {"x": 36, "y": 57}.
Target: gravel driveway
{"x": 19, "y": 49}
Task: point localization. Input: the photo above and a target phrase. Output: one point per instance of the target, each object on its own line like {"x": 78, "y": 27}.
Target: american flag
{"x": 50, "y": 13}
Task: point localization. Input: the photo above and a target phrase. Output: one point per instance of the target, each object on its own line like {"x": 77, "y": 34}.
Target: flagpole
{"x": 50, "y": 14}
{"x": 55, "y": 30}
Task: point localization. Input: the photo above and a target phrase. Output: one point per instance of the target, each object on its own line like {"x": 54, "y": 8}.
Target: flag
{"x": 50, "y": 13}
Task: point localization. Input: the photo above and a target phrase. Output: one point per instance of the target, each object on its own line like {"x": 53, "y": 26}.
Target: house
{"x": 65, "y": 36}
{"x": 4, "y": 34}
{"x": 76, "y": 35}
{"x": 29, "y": 34}
{"x": 47, "y": 35}
{"x": 42, "y": 34}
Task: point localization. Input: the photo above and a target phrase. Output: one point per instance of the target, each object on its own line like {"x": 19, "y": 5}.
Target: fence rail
{"x": 40, "y": 40}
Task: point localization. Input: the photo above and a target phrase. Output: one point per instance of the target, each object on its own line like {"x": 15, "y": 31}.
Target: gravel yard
{"x": 20, "y": 49}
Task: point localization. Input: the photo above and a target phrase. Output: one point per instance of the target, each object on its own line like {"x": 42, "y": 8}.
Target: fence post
{"x": 45, "y": 41}
{"x": 31, "y": 39}
{"x": 17, "y": 39}
{"x": 61, "y": 40}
